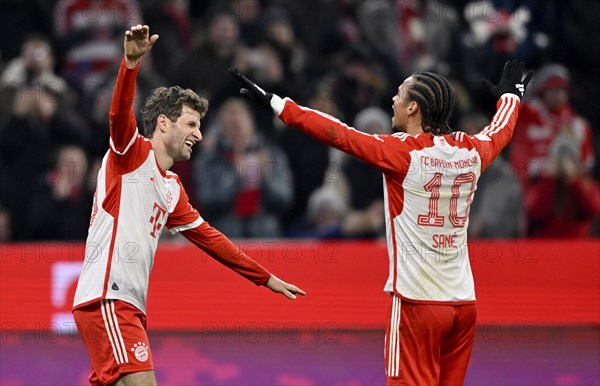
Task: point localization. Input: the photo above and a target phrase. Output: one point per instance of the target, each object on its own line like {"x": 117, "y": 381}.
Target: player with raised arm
{"x": 429, "y": 175}
{"x": 136, "y": 198}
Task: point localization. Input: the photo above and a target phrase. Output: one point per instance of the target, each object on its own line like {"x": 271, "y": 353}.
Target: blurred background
{"x": 310, "y": 213}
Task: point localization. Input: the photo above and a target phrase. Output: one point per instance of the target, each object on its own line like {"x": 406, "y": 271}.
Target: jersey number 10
{"x": 433, "y": 186}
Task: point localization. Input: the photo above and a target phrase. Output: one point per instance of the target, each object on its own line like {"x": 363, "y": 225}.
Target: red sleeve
{"x": 494, "y": 137}
{"x": 123, "y": 127}
{"x": 220, "y": 248}
{"x": 184, "y": 216}
{"x": 385, "y": 152}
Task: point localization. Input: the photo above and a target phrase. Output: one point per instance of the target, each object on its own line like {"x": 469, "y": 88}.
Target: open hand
{"x": 136, "y": 43}
{"x": 289, "y": 290}
{"x": 512, "y": 80}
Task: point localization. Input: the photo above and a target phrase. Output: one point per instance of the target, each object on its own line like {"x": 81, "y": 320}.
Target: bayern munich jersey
{"x": 135, "y": 200}
{"x": 429, "y": 184}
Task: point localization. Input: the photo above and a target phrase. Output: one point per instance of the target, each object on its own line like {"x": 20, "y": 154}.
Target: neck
{"x": 414, "y": 127}
{"x": 162, "y": 157}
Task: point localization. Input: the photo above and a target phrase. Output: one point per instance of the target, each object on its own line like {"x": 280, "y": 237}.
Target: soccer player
{"x": 136, "y": 198}
{"x": 429, "y": 176}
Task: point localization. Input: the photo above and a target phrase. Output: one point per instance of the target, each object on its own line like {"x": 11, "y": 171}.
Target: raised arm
{"x": 123, "y": 127}
{"x": 509, "y": 90}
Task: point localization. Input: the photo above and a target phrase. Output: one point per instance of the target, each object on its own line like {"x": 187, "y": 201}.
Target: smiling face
{"x": 182, "y": 134}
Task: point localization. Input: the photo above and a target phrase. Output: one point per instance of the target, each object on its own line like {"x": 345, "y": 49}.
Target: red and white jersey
{"x": 134, "y": 201}
{"x": 429, "y": 184}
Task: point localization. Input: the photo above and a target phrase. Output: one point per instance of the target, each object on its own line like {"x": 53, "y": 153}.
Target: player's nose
{"x": 197, "y": 134}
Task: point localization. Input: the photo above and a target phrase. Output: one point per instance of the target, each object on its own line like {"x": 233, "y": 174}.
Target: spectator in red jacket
{"x": 565, "y": 200}
{"x": 542, "y": 119}
{"x": 552, "y": 155}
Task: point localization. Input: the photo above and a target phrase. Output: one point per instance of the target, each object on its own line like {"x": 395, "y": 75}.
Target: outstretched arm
{"x": 219, "y": 247}
{"x": 381, "y": 151}
{"x": 123, "y": 127}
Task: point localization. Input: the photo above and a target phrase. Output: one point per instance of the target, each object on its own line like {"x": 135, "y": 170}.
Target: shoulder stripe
{"x": 459, "y": 136}
{"x": 401, "y": 136}
{"x": 502, "y": 116}
{"x": 500, "y": 113}
{"x": 131, "y": 142}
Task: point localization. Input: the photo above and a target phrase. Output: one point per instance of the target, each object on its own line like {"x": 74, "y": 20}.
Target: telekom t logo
{"x": 157, "y": 219}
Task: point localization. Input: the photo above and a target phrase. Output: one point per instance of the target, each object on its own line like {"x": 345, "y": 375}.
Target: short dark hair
{"x": 170, "y": 102}
{"x": 435, "y": 98}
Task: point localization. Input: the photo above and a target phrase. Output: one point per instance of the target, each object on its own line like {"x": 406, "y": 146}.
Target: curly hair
{"x": 435, "y": 98}
{"x": 170, "y": 102}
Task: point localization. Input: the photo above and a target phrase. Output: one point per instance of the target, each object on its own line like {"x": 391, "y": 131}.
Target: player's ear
{"x": 161, "y": 122}
{"x": 412, "y": 108}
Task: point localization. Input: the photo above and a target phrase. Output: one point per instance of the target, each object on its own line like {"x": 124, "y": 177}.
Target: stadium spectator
{"x": 294, "y": 56}
{"x": 545, "y": 118}
{"x": 20, "y": 19}
{"x": 328, "y": 217}
{"x": 358, "y": 82}
{"x": 565, "y": 198}
{"x": 500, "y": 30}
{"x": 37, "y": 126}
{"x": 171, "y": 20}
{"x": 217, "y": 51}
{"x": 60, "y": 208}
{"x": 264, "y": 61}
{"x": 308, "y": 159}
{"x": 33, "y": 68}
{"x": 88, "y": 37}
{"x": 552, "y": 151}
{"x": 35, "y": 65}
{"x": 243, "y": 183}
{"x": 251, "y": 16}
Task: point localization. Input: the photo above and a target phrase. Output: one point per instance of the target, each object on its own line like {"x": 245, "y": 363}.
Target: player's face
{"x": 183, "y": 134}
{"x": 400, "y": 107}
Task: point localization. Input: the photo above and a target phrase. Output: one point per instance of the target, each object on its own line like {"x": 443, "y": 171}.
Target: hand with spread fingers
{"x": 137, "y": 43}
{"x": 512, "y": 80}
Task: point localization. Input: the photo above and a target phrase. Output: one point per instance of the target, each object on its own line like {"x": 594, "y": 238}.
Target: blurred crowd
{"x": 252, "y": 177}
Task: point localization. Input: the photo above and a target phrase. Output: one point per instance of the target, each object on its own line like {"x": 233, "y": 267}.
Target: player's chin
{"x": 185, "y": 155}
